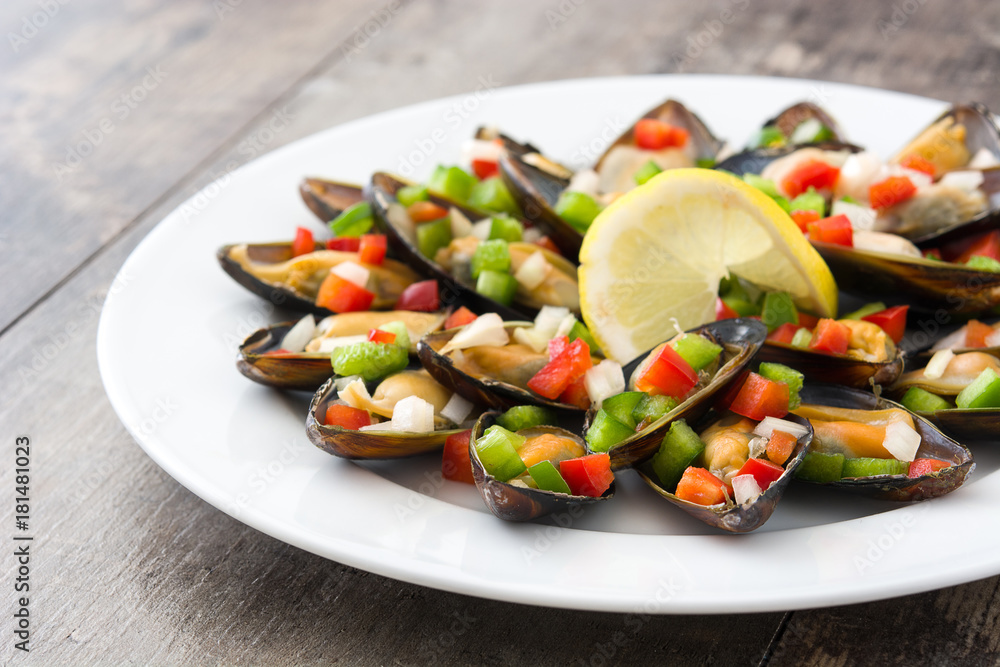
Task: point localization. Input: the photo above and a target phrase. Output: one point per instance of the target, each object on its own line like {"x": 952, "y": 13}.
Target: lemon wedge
{"x": 657, "y": 254}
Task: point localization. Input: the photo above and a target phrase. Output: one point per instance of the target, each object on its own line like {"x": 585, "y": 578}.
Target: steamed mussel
{"x": 801, "y": 123}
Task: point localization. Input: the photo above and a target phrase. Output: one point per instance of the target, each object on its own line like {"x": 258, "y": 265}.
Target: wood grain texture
{"x": 131, "y": 567}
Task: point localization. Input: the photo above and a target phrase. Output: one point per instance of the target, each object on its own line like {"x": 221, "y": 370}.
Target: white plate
{"x": 170, "y": 328}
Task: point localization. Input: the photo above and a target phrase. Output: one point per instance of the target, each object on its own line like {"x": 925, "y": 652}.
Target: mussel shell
{"x": 924, "y": 284}
{"x": 293, "y": 371}
{"x": 348, "y": 444}
{"x": 514, "y": 503}
{"x": 741, "y": 339}
{"x": 488, "y": 392}
{"x": 967, "y": 425}
{"x": 836, "y": 369}
{"x": 980, "y": 126}
{"x": 510, "y": 145}
{"x": 382, "y": 193}
{"x": 276, "y": 294}
{"x": 328, "y": 199}
{"x": 754, "y": 161}
{"x": 793, "y": 116}
{"x": 934, "y": 444}
{"x": 738, "y": 518}
{"x": 536, "y": 192}
{"x": 924, "y": 353}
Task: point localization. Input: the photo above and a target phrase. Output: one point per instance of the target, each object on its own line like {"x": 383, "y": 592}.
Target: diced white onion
{"x": 300, "y": 334}
{"x": 531, "y": 234}
{"x": 746, "y": 489}
{"x": 533, "y": 271}
{"x": 901, "y": 441}
{"x": 460, "y": 225}
{"x": 355, "y": 394}
{"x": 861, "y": 217}
{"x": 968, "y": 181}
{"x": 758, "y": 446}
{"x": 769, "y": 425}
{"x": 401, "y": 221}
{"x": 857, "y": 174}
{"x": 938, "y": 363}
{"x": 604, "y": 380}
{"x": 353, "y": 272}
{"x": 548, "y": 319}
{"x": 532, "y": 337}
{"x": 884, "y": 242}
{"x": 481, "y": 230}
{"x": 806, "y": 131}
{"x": 340, "y": 383}
{"x": 457, "y": 409}
{"x": 477, "y": 149}
{"x": 983, "y": 159}
{"x": 487, "y": 329}
{"x": 331, "y": 344}
{"x": 954, "y": 339}
{"x": 325, "y": 324}
{"x": 586, "y": 181}
{"x": 413, "y": 415}
{"x": 993, "y": 339}
{"x": 920, "y": 179}
{"x": 565, "y": 326}
{"x": 378, "y": 426}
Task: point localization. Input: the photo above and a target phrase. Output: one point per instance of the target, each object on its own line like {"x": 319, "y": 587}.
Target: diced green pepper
{"x": 398, "y": 327}
{"x": 492, "y": 195}
{"x": 705, "y": 162}
{"x": 578, "y": 209}
{"x": 371, "y": 361}
{"x": 497, "y": 450}
{"x": 605, "y": 432}
{"x": 865, "y": 311}
{"x": 491, "y": 256}
{"x": 506, "y": 229}
{"x": 452, "y": 182}
{"x": 847, "y": 199}
{"x": 353, "y": 221}
{"x": 921, "y": 400}
{"x": 790, "y": 376}
{"x": 767, "y": 137}
{"x": 521, "y": 417}
{"x": 651, "y": 408}
{"x": 777, "y": 310}
{"x": 547, "y": 478}
{"x": 810, "y": 131}
{"x": 783, "y": 202}
{"x": 432, "y": 236}
{"x": 680, "y": 446}
{"x": 801, "y": 338}
{"x": 620, "y": 406}
{"x": 500, "y": 287}
{"x": 868, "y": 467}
{"x": 411, "y": 194}
{"x": 697, "y": 350}
{"x": 580, "y": 330}
{"x": 983, "y": 392}
{"x": 983, "y": 263}
{"x": 820, "y": 468}
{"x": 809, "y": 201}
{"x": 646, "y": 172}
{"x": 744, "y": 308}
{"x": 765, "y": 185}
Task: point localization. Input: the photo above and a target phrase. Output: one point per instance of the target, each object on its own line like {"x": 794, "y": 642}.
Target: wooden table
{"x": 114, "y": 113}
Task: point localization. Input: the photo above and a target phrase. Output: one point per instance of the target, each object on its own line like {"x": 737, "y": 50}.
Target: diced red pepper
{"x": 892, "y": 320}
{"x": 347, "y": 417}
{"x": 588, "y": 475}
{"x": 830, "y": 336}
{"x": 653, "y": 134}
{"x": 425, "y": 211}
{"x": 921, "y": 467}
{"x": 780, "y": 446}
{"x": 343, "y": 296}
{"x": 553, "y": 379}
{"x": 557, "y": 345}
{"x": 422, "y": 296}
{"x": 835, "y": 229}
{"x": 918, "y": 163}
{"x": 983, "y": 245}
{"x": 764, "y": 472}
{"x": 344, "y": 244}
{"x": 277, "y": 353}
{"x": 784, "y": 333}
{"x": 803, "y": 218}
{"x": 811, "y": 173}
{"x": 668, "y": 373}
{"x": 576, "y": 394}
{"x": 760, "y": 397}
{"x": 548, "y": 244}
{"x": 371, "y": 249}
{"x": 379, "y": 336}
{"x": 891, "y": 191}
{"x": 723, "y": 311}
{"x": 976, "y": 333}
{"x": 460, "y": 318}
{"x": 485, "y": 168}
{"x": 807, "y": 320}
{"x": 933, "y": 253}
{"x": 303, "y": 242}
{"x": 699, "y": 486}
{"x": 455, "y": 462}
